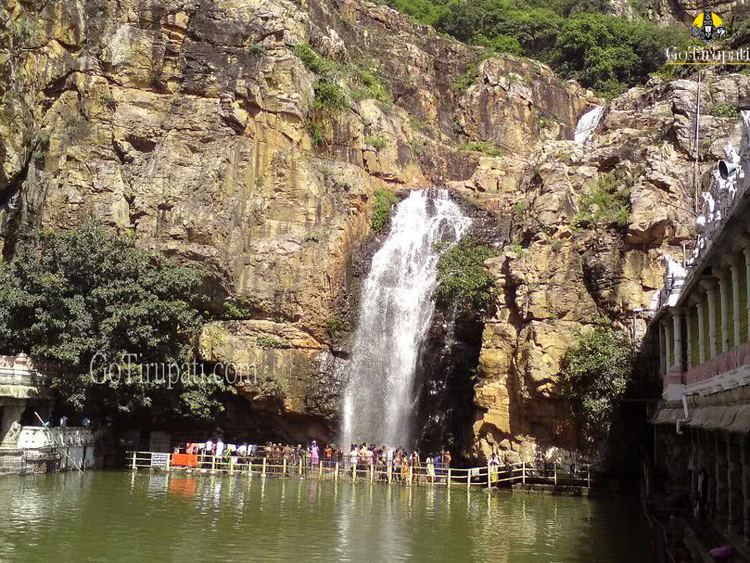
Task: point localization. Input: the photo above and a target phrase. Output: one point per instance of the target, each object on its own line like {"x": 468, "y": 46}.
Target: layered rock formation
{"x": 194, "y": 125}
{"x": 559, "y": 276}
{"x": 187, "y": 124}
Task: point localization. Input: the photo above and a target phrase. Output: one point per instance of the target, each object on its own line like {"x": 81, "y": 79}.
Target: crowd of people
{"x": 384, "y": 461}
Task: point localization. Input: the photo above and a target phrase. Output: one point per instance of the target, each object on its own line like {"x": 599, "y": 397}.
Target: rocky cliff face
{"x": 562, "y": 273}
{"x": 195, "y": 126}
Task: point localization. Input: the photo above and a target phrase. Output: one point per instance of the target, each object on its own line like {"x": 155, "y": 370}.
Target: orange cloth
{"x": 184, "y": 460}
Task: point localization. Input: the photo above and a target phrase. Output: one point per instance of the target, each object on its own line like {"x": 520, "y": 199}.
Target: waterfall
{"x": 588, "y": 122}
{"x": 395, "y": 311}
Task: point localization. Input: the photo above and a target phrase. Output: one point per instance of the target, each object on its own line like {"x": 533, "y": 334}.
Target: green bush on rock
{"x": 462, "y": 279}
{"x": 329, "y": 96}
{"x": 608, "y": 205}
{"x": 384, "y": 201}
{"x": 595, "y": 373}
{"x": 725, "y": 111}
{"x": 485, "y": 147}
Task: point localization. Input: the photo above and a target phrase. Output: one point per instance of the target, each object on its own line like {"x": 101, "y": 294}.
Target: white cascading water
{"x": 395, "y": 311}
{"x": 588, "y": 122}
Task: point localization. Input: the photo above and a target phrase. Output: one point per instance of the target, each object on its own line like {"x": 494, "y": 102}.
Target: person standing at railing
{"x": 447, "y": 458}
{"x": 353, "y": 456}
{"x": 416, "y": 465}
{"x": 314, "y": 454}
{"x": 430, "y": 470}
{"x": 328, "y": 456}
{"x": 398, "y": 460}
{"x": 219, "y": 450}
{"x": 494, "y": 465}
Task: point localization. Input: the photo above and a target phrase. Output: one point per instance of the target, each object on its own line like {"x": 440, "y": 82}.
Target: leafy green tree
{"x": 462, "y": 279}
{"x": 608, "y": 53}
{"x": 602, "y": 51}
{"x": 84, "y": 298}
{"x": 595, "y": 374}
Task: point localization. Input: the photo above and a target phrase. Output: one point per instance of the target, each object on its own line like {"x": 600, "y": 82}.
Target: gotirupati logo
{"x": 708, "y": 26}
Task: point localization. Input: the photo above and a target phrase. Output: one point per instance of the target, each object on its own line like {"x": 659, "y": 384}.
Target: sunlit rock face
{"x": 188, "y": 124}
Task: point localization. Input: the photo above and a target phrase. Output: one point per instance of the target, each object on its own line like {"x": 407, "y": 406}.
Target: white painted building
{"x": 25, "y": 445}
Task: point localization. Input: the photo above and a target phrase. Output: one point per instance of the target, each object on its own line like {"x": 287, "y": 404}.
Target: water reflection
{"x": 189, "y": 517}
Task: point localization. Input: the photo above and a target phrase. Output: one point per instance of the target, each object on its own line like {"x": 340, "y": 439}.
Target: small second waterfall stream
{"x": 395, "y": 311}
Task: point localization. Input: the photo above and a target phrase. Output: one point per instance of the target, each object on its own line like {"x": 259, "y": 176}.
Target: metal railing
{"x": 421, "y": 474}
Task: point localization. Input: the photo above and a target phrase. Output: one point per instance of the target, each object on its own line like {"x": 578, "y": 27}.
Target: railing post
{"x": 283, "y": 468}
{"x": 299, "y": 467}
{"x": 588, "y": 475}
{"x": 468, "y": 478}
{"x": 372, "y": 473}
{"x": 411, "y": 474}
{"x": 336, "y": 472}
{"x": 320, "y": 469}
{"x": 555, "y": 470}
{"x": 354, "y": 472}
{"x": 489, "y": 477}
{"x": 169, "y": 462}
{"x": 134, "y": 466}
{"x": 448, "y": 480}
{"x": 263, "y": 471}
{"x": 213, "y": 463}
{"x": 523, "y": 472}
{"x": 250, "y": 467}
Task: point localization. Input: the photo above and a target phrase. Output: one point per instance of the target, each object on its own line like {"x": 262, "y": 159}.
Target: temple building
{"x": 700, "y": 326}
{"x": 27, "y": 445}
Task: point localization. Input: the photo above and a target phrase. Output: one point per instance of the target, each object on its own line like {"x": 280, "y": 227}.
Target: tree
{"x": 82, "y": 299}
{"x": 609, "y": 54}
{"x": 595, "y": 374}
{"x": 462, "y": 279}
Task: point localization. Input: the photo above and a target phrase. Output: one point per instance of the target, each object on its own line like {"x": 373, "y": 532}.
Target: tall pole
{"x": 697, "y": 140}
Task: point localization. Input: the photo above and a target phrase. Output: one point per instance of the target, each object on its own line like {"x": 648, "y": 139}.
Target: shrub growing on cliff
{"x": 595, "y": 373}
{"x": 725, "y": 110}
{"x": 313, "y": 61}
{"x": 369, "y": 85}
{"x": 329, "y": 96}
{"x": 462, "y": 279}
{"x": 84, "y": 298}
{"x": 384, "y": 201}
{"x": 378, "y": 142}
{"x": 490, "y": 149}
{"x": 608, "y": 204}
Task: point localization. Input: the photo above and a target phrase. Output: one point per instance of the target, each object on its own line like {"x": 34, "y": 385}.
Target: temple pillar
{"x": 734, "y": 485}
{"x": 701, "y": 332}
{"x": 745, "y": 469}
{"x": 688, "y": 338}
{"x": 734, "y": 270}
{"x": 713, "y": 340}
{"x": 724, "y": 311}
{"x": 667, "y": 346}
{"x": 693, "y": 466}
{"x": 721, "y": 508}
{"x": 662, "y": 352}
{"x": 677, "y": 338}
